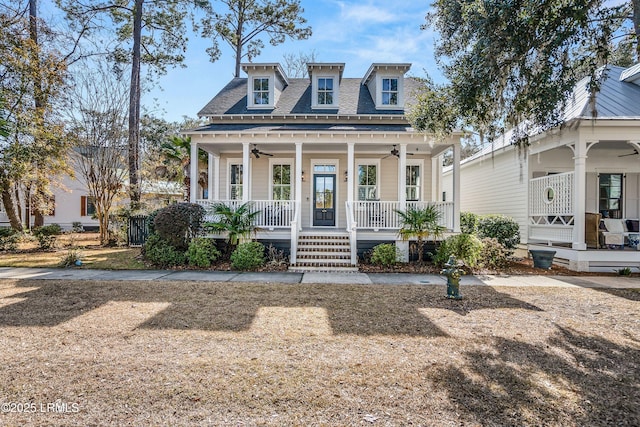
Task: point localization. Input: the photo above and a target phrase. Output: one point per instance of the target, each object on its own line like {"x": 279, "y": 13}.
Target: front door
{"x": 324, "y": 206}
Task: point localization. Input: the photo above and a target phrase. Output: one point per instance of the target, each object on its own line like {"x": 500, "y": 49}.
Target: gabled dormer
{"x": 325, "y": 84}
{"x": 265, "y": 83}
{"x": 386, "y": 85}
{"x": 631, "y": 75}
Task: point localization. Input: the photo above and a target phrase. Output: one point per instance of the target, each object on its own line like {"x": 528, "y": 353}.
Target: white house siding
{"x": 493, "y": 185}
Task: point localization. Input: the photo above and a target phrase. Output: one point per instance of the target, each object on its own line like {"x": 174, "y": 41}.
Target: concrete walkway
{"x": 331, "y": 278}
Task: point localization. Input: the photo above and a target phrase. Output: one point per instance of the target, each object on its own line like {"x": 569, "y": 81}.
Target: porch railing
{"x": 352, "y": 229}
{"x": 382, "y": 215}
{"x": 295, "y": 228}
{"x": 273, "y": 213}
{"x": 551, "y": 208}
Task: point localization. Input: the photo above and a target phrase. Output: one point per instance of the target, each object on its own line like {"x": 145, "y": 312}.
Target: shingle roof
{"x": 281, "y": 127}
{"x": 296, "y": 99}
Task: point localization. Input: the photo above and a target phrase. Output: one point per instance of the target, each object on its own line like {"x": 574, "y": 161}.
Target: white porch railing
{"x": 382, "y": 215}
{"x": 352, "y": 230}
{"x": 295, "y": 228}
{"x": 273, "y": 213}
{"x": 551, "y": 208}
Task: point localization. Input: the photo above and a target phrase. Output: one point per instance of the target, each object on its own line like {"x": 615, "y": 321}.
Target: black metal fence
{"x": 137, "y": 230}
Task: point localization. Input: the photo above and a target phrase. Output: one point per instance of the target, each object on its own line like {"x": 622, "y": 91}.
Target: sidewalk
{"x": 332, "y": 278}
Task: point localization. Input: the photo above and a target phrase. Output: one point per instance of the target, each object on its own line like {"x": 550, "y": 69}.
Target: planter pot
{"x": 542, "y": 259}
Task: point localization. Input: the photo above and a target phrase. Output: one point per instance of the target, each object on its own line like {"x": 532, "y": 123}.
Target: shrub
{"x": 469, "y": 222}
{"x": 275, "y": 256}
{"x": 76, "y": 227}
{"x": 73, "y": 255}
{"x": 161, "y": 253}
{"x": 9, "y": 239}
{"x": 493, "y": 254}
{"x": 500, "y": 227}
{"x": 465, "y": 247}
{"x": 150, "y": 222}
{"x": 247, "y": 256}
{"x": 202, "y": 252}
{"x": 47, "y": 235}
{"x": 179, "y": 223}
{"x": 385, "y": 254}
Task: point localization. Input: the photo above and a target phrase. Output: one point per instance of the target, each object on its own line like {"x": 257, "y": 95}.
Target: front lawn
{"x": 177, "y": 353}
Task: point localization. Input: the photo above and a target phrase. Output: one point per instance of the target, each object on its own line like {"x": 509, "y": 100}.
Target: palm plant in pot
{"x": 421, "y": 224}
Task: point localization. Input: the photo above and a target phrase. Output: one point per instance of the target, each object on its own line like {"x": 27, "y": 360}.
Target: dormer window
{"x": 386, "y": 85}
{"x": 325, "y": 91}
{"x": 325, "y": 84}
{"x": 389, "y": 91}
{"x": 261, "y": 91}
{"x": 265, "y": 83}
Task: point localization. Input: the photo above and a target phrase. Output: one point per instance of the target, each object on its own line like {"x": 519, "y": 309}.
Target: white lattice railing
{"x": 382, "y": 215}
{"x": 551, "y": 208}
{"x": 273, "y": 213}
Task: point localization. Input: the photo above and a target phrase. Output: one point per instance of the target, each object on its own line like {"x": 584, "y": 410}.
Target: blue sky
{"x": 357, "y": 33}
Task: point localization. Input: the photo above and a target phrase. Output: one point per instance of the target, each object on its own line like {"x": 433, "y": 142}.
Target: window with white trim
{"x": 261, "y": 91}
{"x": 390, "y": 91}
{"x": 325, "y": 91}
{"x": 235, "y": 181}
{"x": 281, "y": 181}
{"x": 367, "y": 182}
{"x": 413, "y": 183}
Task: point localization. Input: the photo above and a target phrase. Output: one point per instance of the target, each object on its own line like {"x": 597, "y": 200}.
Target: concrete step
{"x": 328, "y": 254}
{"x": 323, "y": 248}
{"x": 333, "y": 269}
{"x": 324, "y": 261}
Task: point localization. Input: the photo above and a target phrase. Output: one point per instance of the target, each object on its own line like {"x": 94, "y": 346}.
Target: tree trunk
{"x": 239, "y": 40}
{"x": 134, "y": 110}
{"x": 636, "y": 26}
{"x": 10, "y": 208}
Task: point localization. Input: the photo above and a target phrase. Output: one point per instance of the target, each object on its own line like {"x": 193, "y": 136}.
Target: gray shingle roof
{"x": 281, "y": 127}
{"x": 296, "y": 99}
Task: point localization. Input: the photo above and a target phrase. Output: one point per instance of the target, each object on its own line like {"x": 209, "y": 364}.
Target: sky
{"x": 357, "y": 33}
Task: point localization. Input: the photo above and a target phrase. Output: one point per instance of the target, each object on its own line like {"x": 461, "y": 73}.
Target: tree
{"x": 177, "y": 150}
{"x": 97, "y": 118}
{"x": 515, "y": 63}
{"x": 238, "y": 223}
{"x": 245, "y": 20}
{"x": 149, "y": 33}
{"x": 421, "y": 224}
{"x": 33, "y": 74}
{"x": 295, "y": 65}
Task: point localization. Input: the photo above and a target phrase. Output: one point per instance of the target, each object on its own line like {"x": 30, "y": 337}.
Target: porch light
{"x": 346, "y": 176}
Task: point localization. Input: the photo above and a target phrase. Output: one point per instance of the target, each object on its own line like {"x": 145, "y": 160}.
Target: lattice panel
{"x": 552, "y": 196}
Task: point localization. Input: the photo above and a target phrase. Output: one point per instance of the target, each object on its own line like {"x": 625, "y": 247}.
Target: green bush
{"x": 9, "y": 239}
{"x": 47, "y": 235}
{"x": 502, "y": 228}
{"x": 76, "y": 227}
{"x": 161, "y": 253}
{"x": 465, "y": 247}
{"x": 469, "y": 222}
{"x": 179, "y": 223}
{"x": 493, "y": 254}
{"x": 202, "y": 252}
{"x": 247, "y": 256}
{"x": 385, "y": 254}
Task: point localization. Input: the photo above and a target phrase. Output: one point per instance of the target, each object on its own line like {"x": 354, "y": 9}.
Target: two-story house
{"x": 327, "y": 160}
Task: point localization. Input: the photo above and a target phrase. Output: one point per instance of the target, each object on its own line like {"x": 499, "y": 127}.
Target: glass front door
{"x": 324, "y": 207}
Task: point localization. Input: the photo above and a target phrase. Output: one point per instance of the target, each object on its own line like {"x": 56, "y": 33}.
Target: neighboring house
{"x": 326, "y": 159}
{"x": 588, "y": 165}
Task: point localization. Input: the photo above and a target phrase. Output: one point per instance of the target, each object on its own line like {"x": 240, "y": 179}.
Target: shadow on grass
{"x": 351, "y": 309}
{"x": 573, "y": 379}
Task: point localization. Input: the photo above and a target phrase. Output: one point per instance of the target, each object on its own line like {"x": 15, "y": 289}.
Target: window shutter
{"x": 83, "y": 205}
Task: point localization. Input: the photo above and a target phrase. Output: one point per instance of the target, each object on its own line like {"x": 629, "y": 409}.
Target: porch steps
{"x": 323, "y": 252}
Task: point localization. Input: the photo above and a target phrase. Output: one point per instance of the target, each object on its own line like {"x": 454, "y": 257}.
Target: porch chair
{"x": 592, "y": 230}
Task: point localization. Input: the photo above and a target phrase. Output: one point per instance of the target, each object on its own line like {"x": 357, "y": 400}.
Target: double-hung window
{"x": 261, "y": 91}
{"x": 281, "y": 182}
{"x": 325, "y": 91}
{"x": 389, "y": 91}
{"x": 235, "y": 182}
{"x": 367, "y": 182}
{"x": 413, "y": 182}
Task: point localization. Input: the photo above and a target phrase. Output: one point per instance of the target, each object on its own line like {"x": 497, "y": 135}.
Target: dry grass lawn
{"x": 186, "y": 353}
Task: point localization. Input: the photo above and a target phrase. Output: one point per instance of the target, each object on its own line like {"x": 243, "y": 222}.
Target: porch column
{"x": 456, "y": 187}
{"x": 210, "y": 172}
{"x": 298, "y": 187}
{"x": 350, "y": 171}
{"x": 216, "y": 183}
{"x": 579, "y": 193}
{"x": 246, "y": 166}
{"x": 193, "y": 172}
{"x": 436, "y": 174}
{"x": 402, "y": 171}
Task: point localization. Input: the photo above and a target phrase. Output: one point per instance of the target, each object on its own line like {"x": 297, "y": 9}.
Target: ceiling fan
{"x": 629, "y": 154}
{"x": 257, "y": 152}
{"x": 396, "y": 152}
